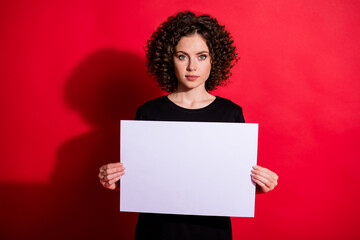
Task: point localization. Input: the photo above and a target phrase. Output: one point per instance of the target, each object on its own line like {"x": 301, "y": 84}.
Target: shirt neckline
{"x": 209, "y": 106}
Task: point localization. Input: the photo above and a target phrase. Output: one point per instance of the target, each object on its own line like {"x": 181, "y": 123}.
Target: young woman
{"x": 189, "y": 56}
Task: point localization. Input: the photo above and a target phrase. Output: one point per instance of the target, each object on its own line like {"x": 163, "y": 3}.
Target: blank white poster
{"x": 191, "y": 168}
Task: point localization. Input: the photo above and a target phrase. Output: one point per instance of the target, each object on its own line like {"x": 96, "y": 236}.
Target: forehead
{"x": 192, "y": 44}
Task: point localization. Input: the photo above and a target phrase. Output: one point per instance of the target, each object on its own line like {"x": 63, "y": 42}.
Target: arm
{"x": 265, "y": 179}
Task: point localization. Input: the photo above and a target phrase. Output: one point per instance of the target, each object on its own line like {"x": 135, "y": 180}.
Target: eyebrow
{"x": 196, "y": 53}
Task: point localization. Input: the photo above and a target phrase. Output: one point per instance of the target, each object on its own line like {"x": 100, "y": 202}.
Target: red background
{"x": 70, "y": 70}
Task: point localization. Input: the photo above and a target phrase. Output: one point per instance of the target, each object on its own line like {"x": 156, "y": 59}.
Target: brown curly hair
{"x": 160, "y": 49}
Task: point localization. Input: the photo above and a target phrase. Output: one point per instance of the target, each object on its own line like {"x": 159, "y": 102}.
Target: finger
{"x": 113, "y": 170}
{"x": 109, "y": 174}
{"x": 103, "y": 177}
{"x": 103, "y": 168}
{"x": 108, "y": 185}
{"x": 262, "y": 185}
{"x": 263, "y": 180}
{"x": 115, "y": 179}
{"x": 257, "y": 167}
{"x": 272, "y": 178}
{"x": 109, "y": 166}
{"x": 115, "y": 165}
{"x": 265, "y": 170}
{"x": 112, "y": 176}
{"x": 261, "y": 173}
{"x": 104, "y": 183}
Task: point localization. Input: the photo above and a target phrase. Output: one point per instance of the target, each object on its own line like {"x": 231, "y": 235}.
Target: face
{"x": 192, "y": 62}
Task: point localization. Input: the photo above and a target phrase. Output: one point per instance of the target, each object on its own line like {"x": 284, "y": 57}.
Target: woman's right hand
{"x": 110, "y": 173}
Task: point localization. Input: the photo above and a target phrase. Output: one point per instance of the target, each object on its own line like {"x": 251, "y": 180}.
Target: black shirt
{"x": 169, "y": 226}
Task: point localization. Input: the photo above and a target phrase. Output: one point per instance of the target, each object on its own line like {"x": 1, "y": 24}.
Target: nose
{"x": 191, "y": 65}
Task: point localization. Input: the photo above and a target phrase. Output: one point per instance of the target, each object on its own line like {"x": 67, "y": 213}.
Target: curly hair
{"x": 161, "y": 46}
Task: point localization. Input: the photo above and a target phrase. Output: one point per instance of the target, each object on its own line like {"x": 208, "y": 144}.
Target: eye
{"x": 182, "y": 57}
{"x": 202, "y": 57}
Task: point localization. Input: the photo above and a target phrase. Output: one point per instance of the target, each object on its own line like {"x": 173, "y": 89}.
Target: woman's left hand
{"x": 265, "y": 179}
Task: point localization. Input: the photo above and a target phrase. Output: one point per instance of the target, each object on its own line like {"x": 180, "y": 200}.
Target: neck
{"x": 191, "y": 95}
{"x": 192, "y": 99}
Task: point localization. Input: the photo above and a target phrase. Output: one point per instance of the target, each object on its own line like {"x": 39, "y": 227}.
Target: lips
{"x": 191, "y": 77}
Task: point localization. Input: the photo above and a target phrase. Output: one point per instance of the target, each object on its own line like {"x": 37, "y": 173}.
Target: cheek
{"x": 176, "y": 67}
{"x": 177, "y": 70}
{"x": 179, "y": 67}
{"x": 207, "y": 68}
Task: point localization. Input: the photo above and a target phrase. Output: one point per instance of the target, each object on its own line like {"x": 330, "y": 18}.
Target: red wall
{"x": 70, "y": 70}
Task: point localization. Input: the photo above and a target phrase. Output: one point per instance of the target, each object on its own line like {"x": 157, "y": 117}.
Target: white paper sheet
{"x": 188, "y": 168}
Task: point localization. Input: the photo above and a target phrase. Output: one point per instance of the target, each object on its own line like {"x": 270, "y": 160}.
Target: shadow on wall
{"x": 107, "y": 86}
